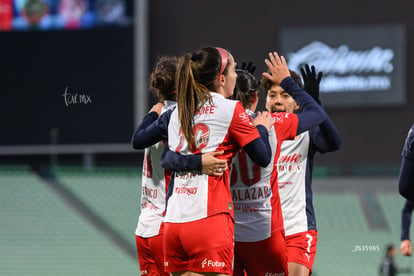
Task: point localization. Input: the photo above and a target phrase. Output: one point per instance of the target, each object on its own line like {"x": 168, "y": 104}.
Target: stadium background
{"x": 69, "y": 181}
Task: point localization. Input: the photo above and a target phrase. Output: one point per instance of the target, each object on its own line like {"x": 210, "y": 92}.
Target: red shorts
{"x": 302, "y": 248}
{"x": 150, "y": 255}
{"x": 204, "y": 245}
{"x": 266, "y": 257}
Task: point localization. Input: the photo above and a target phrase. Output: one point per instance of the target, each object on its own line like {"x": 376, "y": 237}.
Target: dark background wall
{"x": 37, "y": 67}
{"x": 372, "y": 137}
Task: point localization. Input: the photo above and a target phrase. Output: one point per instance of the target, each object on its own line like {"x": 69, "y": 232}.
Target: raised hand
{"x": 311, "y": 81}
{"x": 278, "y": 69}
{"x": 249, "y": 67}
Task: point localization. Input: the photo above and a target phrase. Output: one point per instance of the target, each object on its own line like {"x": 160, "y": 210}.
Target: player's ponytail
{"x": 196, "y": 75}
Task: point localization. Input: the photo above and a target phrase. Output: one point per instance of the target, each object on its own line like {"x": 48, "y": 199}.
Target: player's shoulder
{"x": 409, "y": 141}
{"x": 225, "y": 101}
{"x": 411, "y": 131}
{"x": 408, "y": 149}
{"x": 281, "y": 117}
{"x": 227, "y": 105}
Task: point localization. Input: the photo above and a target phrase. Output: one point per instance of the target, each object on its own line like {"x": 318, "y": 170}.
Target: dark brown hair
{"x": 195, "y": 79}
{"x": 162, "y": 79}
{"x": 265, "y": 83}
{"x": 246, "y": 86}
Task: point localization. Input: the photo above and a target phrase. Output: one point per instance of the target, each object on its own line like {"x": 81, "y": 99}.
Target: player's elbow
{"x": 136, "y": 143}
{"x": 336, "y": 145}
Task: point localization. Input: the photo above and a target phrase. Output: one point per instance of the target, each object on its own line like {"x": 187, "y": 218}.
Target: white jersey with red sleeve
{"x": 221, "y": 125}
{"x": 293, "y": 185}
{"x": 153, "y": 189}
{"x": 257, "y": 210}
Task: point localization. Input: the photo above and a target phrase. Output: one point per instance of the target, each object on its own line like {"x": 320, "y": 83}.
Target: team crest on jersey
{"x": 201, "y": 133}
{"x": 278, "y": 118}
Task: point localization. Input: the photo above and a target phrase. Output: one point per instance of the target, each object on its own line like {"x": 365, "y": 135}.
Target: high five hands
{"x": 278, "y": 69}
{"x": 311, "y": 81}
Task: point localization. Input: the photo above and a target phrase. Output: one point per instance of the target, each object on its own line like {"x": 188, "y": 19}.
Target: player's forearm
{"x": 406, "y": 179}
{"x": 326, "y": 137}
{"x": 312, "y": 114}
{"x": 406, "y": 220}
{"x": 259, "y": 150}
{"x": 141, "y": 129}
{"x": 151, "y": 130}
{"x": 176, "y": 162}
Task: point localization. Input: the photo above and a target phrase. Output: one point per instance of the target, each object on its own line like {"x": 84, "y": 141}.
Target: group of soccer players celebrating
{"x": 227, "y": 190}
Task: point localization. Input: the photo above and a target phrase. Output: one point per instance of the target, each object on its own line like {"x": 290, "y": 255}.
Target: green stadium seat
{"x": 41, "y": 234}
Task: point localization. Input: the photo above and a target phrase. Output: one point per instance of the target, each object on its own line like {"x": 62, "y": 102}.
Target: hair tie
{"x": 194, "y": 56}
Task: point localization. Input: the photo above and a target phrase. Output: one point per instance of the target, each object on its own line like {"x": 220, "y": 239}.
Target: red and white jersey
{"x": 153, "y": 189}
{"x": 257, "y": 210}
{"x": 292, "y": 170}
{"x": 221, "y": 125}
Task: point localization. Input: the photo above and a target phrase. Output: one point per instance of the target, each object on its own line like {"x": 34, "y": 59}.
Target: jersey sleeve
{"x": 406, "y": 220}
{"x": 325, "y": 137}
{"x": 286, "y": 125}
{"x": 151, "y": 130}
{"x": 259, "y": 150}
{"x": 312, "y": 114}
{"x": 241, "y": 126}
{"x": 174, "y": 161}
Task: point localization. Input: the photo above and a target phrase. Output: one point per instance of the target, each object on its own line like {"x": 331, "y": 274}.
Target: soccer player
{"x": 406, "y": 189}
{"x": 259, "y": 232}
{"x": 198, "y": 236}
{"x": 406, "y": 178}
{"x": 150, "y": 228}
{"x": 155, "y": 179}
{"x": 295, "y": 166}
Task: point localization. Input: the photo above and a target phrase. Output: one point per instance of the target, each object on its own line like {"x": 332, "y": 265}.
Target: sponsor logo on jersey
{"x": 187, "y": 175}
{"x": 211, "y": 263}
{"x": 283, "y": 184}
{"x": 293, "y": 158}
{"x": 245, "y": 208}
{"x": 148, "y": 205}
{"x": 184, "y": 189}
{"x": 290, "y": 163}
{"x": 244, "y": 117}
{"x": 144, "y": 272}
{"x": 274, "y": 274}
{"x": 289, "y": 168}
